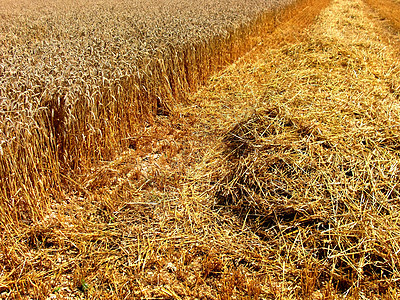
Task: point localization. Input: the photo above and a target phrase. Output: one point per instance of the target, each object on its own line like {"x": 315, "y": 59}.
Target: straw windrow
{"x": 313, "y": 167}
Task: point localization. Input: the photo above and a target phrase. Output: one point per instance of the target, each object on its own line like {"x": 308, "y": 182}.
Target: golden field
{"x": 274, "y": 177}
{"x": 79, "y": 78}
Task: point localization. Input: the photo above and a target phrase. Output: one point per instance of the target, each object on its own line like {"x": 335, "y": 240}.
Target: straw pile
{"x": 324, "y": 184}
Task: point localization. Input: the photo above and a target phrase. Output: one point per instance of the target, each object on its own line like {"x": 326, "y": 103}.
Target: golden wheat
{"x": 78, "y": 78}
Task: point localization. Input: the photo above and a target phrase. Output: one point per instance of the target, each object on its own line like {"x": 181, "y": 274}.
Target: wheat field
{"x": 185, "y": 150}
{"x": 80, "y": 79}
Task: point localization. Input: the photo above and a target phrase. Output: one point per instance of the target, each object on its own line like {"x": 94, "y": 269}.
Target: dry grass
{"x": 278, "y": 180}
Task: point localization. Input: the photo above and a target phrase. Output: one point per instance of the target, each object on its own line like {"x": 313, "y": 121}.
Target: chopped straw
{"x": 313, "y": 165}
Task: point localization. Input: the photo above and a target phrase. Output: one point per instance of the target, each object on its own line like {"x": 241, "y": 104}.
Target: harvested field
{"x": 278, "y": 179}
{"x": 309, "y": 162}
